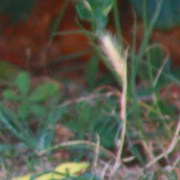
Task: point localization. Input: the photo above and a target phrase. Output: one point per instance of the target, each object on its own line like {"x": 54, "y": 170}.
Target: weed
{"x": 134, "y": 120}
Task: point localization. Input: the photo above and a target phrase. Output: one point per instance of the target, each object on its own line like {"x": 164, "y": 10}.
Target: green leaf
{"x": 8, "y": 70}
{"x": 166, "y": 109}
{"x": 95, "y": 11}
{"x": 23, "y": 111}
{"x": 44, "y": 91}
{"x": 135, "y": 150}
{"x": 11, "y": 96}
{"x": 23, "y": 83}
{"x": 37, "y": 109}
{"x": 107, "y": 130}
{"x": 92, "y": 71}
{"x": 6, "y": 147}
{"x": 84, "y": 111}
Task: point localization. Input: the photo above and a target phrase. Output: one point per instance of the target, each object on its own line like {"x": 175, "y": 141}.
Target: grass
{"x": 128, "y": 128}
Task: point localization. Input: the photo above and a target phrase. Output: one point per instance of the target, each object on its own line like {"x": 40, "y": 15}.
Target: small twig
{"x": 170, "y": 149}
{"x": 92, "y": 96}
{"x": 81, "y": 142}
{"x": 105, "y": 170}
{"x": 177, "y": 160}
{"x": 148, "y": 150}
{"x": 110, "y": 89}
{"x": 96, "y": 153}
{"x": 159, "y": 72}
{"x": 73, "y": 143}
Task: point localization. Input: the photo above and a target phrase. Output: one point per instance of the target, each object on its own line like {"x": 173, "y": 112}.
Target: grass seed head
{"x": 113, "y": 52}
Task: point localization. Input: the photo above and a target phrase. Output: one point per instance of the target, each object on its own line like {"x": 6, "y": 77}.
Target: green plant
{"x": 29, "y": 102}
{"x": 95, "y": 11}
{"x": 18, "y": 119}
{"x": 149, "y": 65}
{"x": 94, "y": 115}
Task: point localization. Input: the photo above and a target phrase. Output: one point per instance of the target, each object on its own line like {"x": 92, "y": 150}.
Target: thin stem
{"x": 145, "y": 23}
{"x": 118, "y": 23}
{"x": 58, "y": 20}
{"x": 148, "y": 34}
{"x": 145, "y": 15}
{"x": 75, "y": 143}
{"x": 171, "y": 147}
{"x": 123, "y": 117}
{"x": 168, "y": 76}
{"x": 78, "y": 31}
{"x": 135, "y": 104}
{"x": 136, "y": 60}
{"x": 150, "y": 70}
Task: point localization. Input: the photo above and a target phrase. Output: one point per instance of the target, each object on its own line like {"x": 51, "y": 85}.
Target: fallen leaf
{"x": 27, "y": 177}
{"x": 71, "y": 168}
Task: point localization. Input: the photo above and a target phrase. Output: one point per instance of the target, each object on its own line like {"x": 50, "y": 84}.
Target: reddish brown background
{"x": 27, "y": 43}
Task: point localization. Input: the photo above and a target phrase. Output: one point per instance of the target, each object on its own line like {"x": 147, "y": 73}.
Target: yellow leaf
{"x": 49, "y": 176}
{"x": 71, "y": 168}
{"x": 27, "y": 177}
